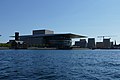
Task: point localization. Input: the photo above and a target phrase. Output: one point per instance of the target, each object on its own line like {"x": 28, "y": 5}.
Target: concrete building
{"x": 17, "y": 44}
{"x": 111, "y": 44}
{"x": 91, "y": 43}
{"x": 47, "y": 38}
{"x": 106, "y": 43}
{"x": 37, "y": 32}
{"x": 99, "y": 45}
{"x": 82, "y": 43}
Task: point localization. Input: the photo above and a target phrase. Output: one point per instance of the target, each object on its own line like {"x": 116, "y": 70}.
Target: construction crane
{"x": 104, "y": 37}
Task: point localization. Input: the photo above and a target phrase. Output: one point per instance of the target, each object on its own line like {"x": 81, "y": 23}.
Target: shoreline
{"x": 36, "y": 48}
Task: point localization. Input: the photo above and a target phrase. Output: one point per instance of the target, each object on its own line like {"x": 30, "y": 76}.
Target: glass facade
{"x": 58, "y": 42}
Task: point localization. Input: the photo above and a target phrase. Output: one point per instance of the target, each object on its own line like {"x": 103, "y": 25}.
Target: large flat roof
{"x": 70, "y": 35}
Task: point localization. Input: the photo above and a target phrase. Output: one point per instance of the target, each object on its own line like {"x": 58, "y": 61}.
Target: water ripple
{"x": 59, "y": 65}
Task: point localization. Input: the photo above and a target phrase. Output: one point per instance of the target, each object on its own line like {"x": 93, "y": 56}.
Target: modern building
{"x": 17, "y": 44}
{"x": 82, "y": 43}
{"x": 111, "y": 44}
{"x": 91, "y": 43}
{"x": 47, "y": 38}
{"x": 37, "y": 32}
{"x": 99, "y": 45}
{"x": 106, "y": 43}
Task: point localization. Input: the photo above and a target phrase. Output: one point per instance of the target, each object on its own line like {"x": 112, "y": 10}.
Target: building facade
{"x": 91, "y": 43}
{"x": 106, "y": 43}
{"x": 99, "y": 45}
{"x": 47, "y": 38}
{"x": 82, "y": 43}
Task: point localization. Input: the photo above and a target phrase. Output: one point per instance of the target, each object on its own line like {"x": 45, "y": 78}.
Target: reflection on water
{"x": 59, "y": 65}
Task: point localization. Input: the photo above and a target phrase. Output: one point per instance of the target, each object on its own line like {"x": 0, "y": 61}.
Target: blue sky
{"x": 85, "y": 17}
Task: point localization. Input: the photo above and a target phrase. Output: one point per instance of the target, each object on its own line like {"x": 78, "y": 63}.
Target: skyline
{"x": 91, "y": 18}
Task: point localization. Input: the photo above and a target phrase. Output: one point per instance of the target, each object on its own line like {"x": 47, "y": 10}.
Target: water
{"x": 59, "y": 64}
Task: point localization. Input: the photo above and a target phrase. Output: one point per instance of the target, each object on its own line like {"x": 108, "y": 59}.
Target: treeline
{"x": 4, "y": 45}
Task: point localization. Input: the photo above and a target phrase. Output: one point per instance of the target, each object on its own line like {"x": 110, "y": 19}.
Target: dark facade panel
{"x": 37, "y": 32}
{"x": 91, "y": 43}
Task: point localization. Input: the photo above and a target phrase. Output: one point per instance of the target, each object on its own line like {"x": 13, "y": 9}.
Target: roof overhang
{"x": 68, "y": 35}
{"x": 71, "y": 35}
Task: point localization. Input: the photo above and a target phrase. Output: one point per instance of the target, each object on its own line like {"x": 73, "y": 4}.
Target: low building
{"x": 99, "y": 45}
{"x": 17, "y": 44}
{"x": 106, "y": 44}
{"x": 111, "y": 44}
{"x": 82, "y": 43}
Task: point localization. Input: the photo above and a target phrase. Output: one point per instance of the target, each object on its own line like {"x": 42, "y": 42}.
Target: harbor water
{"x": 59, "y": 64}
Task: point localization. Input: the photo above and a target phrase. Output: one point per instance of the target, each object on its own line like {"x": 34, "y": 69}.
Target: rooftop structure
{"x": 106, "y": 44}
{"x": 37, "y": 32}
{"x": 16, "y": 36}
{"x": 99, "y": 45}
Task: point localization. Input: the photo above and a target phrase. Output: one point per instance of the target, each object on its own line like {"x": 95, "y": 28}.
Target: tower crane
{"x": 103, "y": 37}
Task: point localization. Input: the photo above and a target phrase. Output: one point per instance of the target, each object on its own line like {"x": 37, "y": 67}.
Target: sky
{"x": 90, "y": 18}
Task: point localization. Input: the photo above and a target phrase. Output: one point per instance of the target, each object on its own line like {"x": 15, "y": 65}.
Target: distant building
{"x": 116, "y": 46}
{"x": 47, "y": 38}
{"x": 77, "y": 43}
{"x": 111, "y": 44}
{"x": 106, "y": 43}
{"x": 17, "y": 44}
{"x": 82, "y": 43}
{"x": 91, "y": 43}
{"x": 99, "y": 45}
